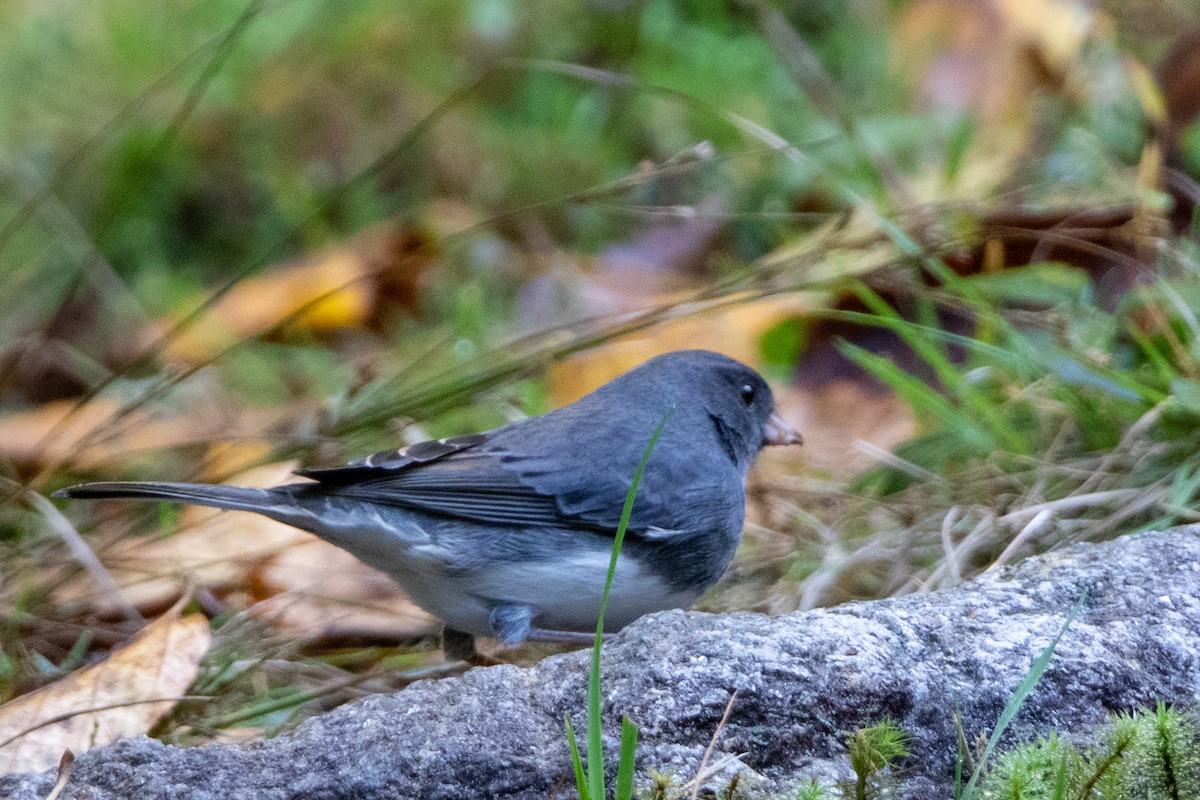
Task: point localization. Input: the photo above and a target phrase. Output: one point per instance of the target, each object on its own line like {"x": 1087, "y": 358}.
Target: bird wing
{"x": 451, "y": 477}
{"x": 390, "y": 462}
{"x": 472, "y": 486}
{"x": 474, "y": 479}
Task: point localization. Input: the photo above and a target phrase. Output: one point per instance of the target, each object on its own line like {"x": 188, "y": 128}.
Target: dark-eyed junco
{"x": 509, "y": 533}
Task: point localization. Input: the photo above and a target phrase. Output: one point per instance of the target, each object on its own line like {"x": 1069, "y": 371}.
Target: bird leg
{"x": 458, "y": 646}
{"x": 511, "y": 622}
{"x": 564, "y": 637}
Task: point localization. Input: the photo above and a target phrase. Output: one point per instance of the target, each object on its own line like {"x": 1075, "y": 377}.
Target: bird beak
{"x": 778, "y": 431}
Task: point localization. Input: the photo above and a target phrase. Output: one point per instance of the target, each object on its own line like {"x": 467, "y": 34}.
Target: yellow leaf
{"x": 126, "y": 694}
{"x": 733, "y": 331}
{"x": 102, "y": 431}
{"x": 343, "y": 287}
{"x": 332, "y": 292}
{"x": 62, "y": 432}
{"x": 1149, "y": 95}
{"x": 1057, "y": 28}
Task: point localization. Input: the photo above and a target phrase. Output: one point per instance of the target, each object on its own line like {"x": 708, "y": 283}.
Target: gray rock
{"x": 802, "y": 681}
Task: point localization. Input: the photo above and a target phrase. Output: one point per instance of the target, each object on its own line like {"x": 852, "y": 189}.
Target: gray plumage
{"x": 508, "y": 533}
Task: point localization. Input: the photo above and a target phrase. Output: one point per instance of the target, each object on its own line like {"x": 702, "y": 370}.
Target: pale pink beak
{"x": 778, "y": 431}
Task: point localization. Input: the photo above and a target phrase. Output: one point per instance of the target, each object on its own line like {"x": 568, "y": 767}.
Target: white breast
{"x": 564, "y": 594}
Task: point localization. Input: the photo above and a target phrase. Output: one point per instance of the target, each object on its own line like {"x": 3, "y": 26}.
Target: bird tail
{"x": 230, "y": 498}
{"x": 378, "y": 535}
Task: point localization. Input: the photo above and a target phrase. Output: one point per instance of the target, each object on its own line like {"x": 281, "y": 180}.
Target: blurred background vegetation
{"x": 235, "y": 237}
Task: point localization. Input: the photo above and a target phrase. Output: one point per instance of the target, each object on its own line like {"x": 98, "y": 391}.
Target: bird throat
{"x": 732, "y": 442}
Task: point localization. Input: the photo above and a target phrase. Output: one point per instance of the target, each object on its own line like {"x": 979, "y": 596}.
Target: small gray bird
{"x": 509, "y": 533}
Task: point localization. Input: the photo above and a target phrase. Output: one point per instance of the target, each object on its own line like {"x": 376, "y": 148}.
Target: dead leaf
{"x": 327, "y": 294}
{"x": 733, "y": 331}
{"x": 348, "y": 286}
{"x": 834, "y": 419}
{"x": 231, "y": 457}
{"x": 988, "y": 56}
{"x": 61, "y": 432}
{"x": 960, "y": 56}
{"x": 317, "y": 591}
{"x": 126, "y": 694}
{"x": 1055, "y": 29}
{"x": 99, "y": 434}
{"x": 1179, "y": 76}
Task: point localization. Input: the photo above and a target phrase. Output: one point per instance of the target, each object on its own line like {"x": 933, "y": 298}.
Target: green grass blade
{"x": 926, "y": 347}
{"x": 920, "y": 396}
{"x": 629, "y": 734}
{"x": 580, "y": 775}
{"x": 1023, "y": 690}
{"x": 928, "y": 350}
{"x": 1060, "y": 778}
{"x": 1167, "y": 371}
{"x": 1002, "y": 355}
{"x": 595, "y": 743}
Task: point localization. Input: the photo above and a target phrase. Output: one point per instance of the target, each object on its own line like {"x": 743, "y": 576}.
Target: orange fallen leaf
{"x": 61, "y": 432}
{"x": 97, "y": 434}
{"x": 225, "y": 458}
{"x": 324, "y": 295}
{"x": 126, "y": 694}
{"x": 836, "y": 419}
{"x": 734, "y": 331}
{"x": 318, "y": 591}
{"x": 343, "y": 287}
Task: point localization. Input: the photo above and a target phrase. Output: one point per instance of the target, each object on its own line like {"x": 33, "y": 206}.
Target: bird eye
{"x": 747, "y": 392}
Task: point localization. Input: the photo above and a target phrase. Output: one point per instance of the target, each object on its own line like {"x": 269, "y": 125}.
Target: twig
{"x": 78, "y": 547}
{"x": 1136, "y": 430}
{"x": 711, "y": 744}
{"x": 895, "y": 461}
{"x": 1150, "y": 498}
{"x": 732, "y": 758}
{"x": 833, "y": 556}
{"x": 965, "y": 549}
{"x": 64, "y": 774}
{"x": 1068, "y": 503}
{"x": 952, "y": 517}
{"x": 1036, "y": 525}
{"x": 96, "y": 709}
